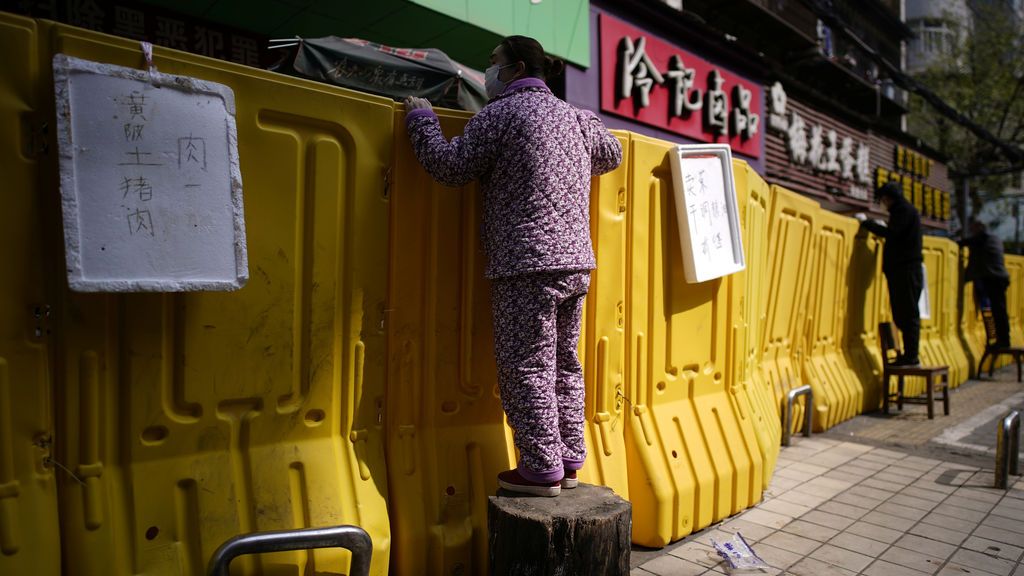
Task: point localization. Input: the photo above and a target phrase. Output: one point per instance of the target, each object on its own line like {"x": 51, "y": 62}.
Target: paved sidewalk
{"x": 845, "y": 503}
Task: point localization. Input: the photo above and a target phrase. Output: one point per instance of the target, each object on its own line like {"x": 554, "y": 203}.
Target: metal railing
{"x": 787, "y": 413}
{"x": 1008, "y": 449}
{"x": 353, "y": 538}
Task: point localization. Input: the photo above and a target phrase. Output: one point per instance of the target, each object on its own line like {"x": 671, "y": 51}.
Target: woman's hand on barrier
{"x": 414, "y": 103}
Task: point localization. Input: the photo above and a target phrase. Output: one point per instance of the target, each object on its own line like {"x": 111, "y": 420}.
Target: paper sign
{"x": 706, "y": 210}
{"x": 151, "y": 189}
{"x": 924, "y": 304}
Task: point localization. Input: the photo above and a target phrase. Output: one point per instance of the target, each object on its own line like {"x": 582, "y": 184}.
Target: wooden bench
{"x": 992, "y": 352}
{"x": 936, "y": 377}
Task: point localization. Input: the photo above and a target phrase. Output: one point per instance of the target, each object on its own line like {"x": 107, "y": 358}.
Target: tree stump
{"x": 585, "y": 530}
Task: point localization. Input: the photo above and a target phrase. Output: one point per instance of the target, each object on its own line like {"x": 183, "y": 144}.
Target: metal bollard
{"x": 787, "y": 415}
{"x": 353, "y": 538}
{"x": 1008, "y": 449}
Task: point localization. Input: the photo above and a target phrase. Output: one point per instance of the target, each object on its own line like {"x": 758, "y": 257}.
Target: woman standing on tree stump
{"x": 534, "y": 155}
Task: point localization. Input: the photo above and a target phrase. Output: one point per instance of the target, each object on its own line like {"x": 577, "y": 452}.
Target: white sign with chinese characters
{"x": 151, "y": 189}
{"x": 707, "y": 211}
{"x": 820, "y": 149}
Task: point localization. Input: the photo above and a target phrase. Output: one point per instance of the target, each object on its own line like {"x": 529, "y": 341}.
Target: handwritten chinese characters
{"x": 706, "y": 210}
{"x": 651, "y": 81}
{"x": 150, "y": 181}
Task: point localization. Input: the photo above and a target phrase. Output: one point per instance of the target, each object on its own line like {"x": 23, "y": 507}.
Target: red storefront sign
{"x": 648, "y": 80}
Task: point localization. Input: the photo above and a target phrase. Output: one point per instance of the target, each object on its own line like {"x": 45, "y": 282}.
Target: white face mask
{"x": 492, "y": 84}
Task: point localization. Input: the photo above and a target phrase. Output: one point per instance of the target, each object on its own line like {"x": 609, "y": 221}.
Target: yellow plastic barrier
{"x": 191, "y": 418}
{"x": 1015, "y": 299}
{"x": 838, "y": 395}
{"x": 950, "y": 320}
{"x": 603, "y": 344}
{"x": 933, "y": 349}
{"x": 972, "y": 330}
{"x": 446, "y": 435}
{"x": 866, "y": 302}
{"x": 29, "y": 530}
{"x": 747, "y": 313}
{"x": 692, "y": 461}
{"x": 790, "y": 244}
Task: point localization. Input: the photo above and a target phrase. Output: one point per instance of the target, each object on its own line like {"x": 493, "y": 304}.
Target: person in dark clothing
{"x": 901, "y": 263}
{"x": 985, "y": 267}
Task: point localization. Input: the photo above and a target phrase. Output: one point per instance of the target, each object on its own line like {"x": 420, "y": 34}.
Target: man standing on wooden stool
{"x": 901, "y": 263}
{"x": 986, "y": 268}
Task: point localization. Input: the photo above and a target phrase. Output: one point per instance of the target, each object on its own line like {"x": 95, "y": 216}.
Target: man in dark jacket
{"x": 985, "y": 267}
{"x": 901, "y": 263}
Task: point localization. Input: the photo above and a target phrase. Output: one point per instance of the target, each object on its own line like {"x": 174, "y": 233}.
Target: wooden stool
{"x": 992, "y": 352}
{"x": 937, "y": 377}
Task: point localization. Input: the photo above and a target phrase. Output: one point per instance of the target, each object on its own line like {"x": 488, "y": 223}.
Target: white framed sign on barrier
{"x": 707, "y": 211}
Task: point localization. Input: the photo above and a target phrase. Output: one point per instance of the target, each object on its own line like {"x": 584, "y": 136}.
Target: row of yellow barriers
{"x": 352, "y": 380}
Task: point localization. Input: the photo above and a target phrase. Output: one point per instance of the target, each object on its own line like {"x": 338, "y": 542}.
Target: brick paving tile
{"x": 831, "y": 483}
{"x": 939, "y": 533}
{"x": 1011, "y": 524}
{"x": 781, "y": 484}
{"x": 639, "y": 572}
{"x": 953, "y": 569}
{"x": 883, "y": 484}
{"x": 911, "y": 473}
{"x": 975, "y": 493}
{"x": 792, "y": 474}
{"x": 813, "y": 567}
{"x": 870, "y": 464}
{"x": 669, "y": 565}
{"x": 841, "y": 557}
{"x": 887, "y": 454}
{"x": 888, "y": 520}
{"x": 822, "y": 491}
{"x": 912, "y": 502}
{"x": 919, "y": 463}
{"x": 898, "y": 479}
{"x": 854, "y": 512}
{"x": 883, "y": 568}
{"x": 799, "y": 497}
{"x": 993, "y": 548}
{"x": 791, "y": 542}
{"x": 826, "y": 519}
{"x": 950, "y": 522}
{"x": 784, "y": 507}
{"x": 777, "y": 557}
{"x": 750, "y": 531}
{"x": 856, "y": 469}
{"x": 924, "y": 494}
{"x": 1000, "y": 535}
{"x": 832, "y": 459}
{"x": 797, "y": 453}
{"x": 697, "y": 553}
{"x": 704, "y": 536}
{"x": 875, "y": 532}
{"x": 809, "y": 530}
{"x": 766, "y": 518}
{"x": 856, "y": 543}
{"x": 949, "y": 509}
{"x": 875, "y": 493}
{"x": 926, "y": 546}
{"x": 1009, "y": 507}
{"x": 1019, "y": 571}
{"x": 912, "y": 559}
{"x": 983, "y": 562}
{"x": 970, "y": 504}
{"x": 853, "y": 447}
{"x": 935, "y": 486}
{"x": 857, "y": 500}
{"x": 810, "y": 468}
{"x": 901, "y": 511}
{"x": 845, "y": 475}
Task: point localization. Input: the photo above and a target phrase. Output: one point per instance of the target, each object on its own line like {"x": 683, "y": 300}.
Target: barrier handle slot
{"x": 352, "y": 538}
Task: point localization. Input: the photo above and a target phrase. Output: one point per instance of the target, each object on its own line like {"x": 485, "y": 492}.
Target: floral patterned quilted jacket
{"x": 534, "y": 155}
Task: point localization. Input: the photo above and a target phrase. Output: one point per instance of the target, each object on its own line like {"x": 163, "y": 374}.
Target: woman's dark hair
{"x": 531, "y": 54}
